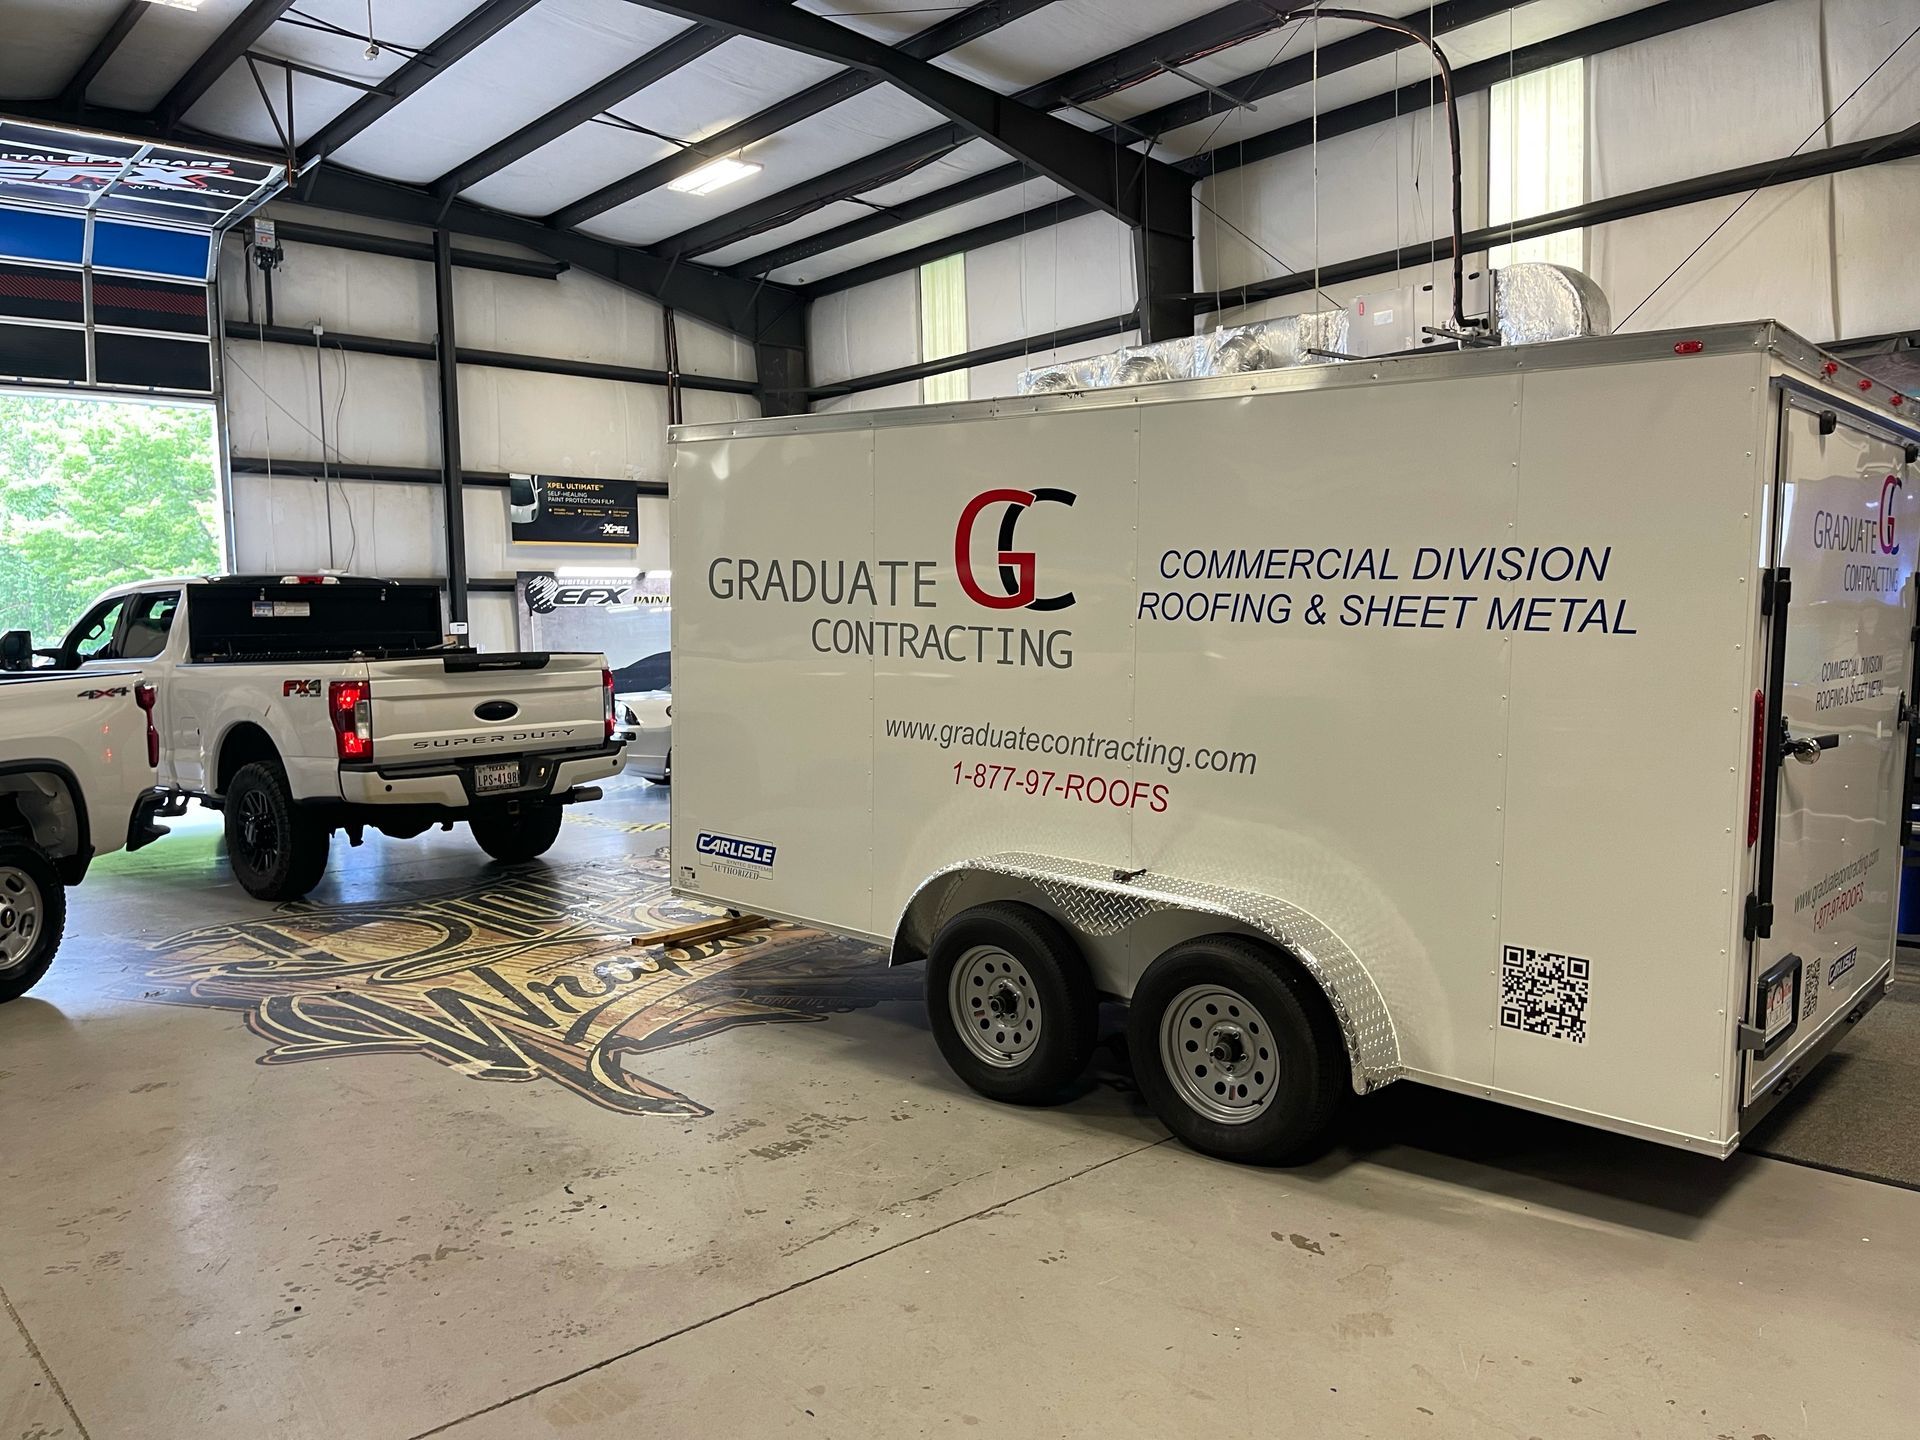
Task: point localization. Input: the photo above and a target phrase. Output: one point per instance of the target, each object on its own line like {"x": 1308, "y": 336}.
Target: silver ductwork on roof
{"x": 1532, "y": 303}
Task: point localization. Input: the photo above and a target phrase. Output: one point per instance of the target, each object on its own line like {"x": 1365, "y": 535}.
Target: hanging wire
{"x": 1825, "y": 121}
{"x": 1316, "y": 151}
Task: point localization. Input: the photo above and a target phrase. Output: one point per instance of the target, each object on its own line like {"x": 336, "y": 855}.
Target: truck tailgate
{"x": 473, "y": 706}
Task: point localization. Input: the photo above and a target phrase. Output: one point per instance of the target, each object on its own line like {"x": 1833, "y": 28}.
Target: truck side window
{"x": 147, "y": 625}
{"x": 93, "y": 637}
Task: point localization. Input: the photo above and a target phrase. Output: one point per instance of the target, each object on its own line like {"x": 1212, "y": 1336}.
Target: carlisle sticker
{"x": 734, "y": 856}
{"x": 1842, "y": 965}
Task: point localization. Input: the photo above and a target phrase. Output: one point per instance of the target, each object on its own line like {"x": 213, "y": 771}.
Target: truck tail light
{"x": 350, "y": 703}
{"x": 606, "y": 699}
{"x": 1758, "y": 777}
{"x": 145, "y": 696}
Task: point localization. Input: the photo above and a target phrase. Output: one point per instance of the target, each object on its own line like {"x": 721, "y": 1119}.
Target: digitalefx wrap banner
{"x": 557, "y": 510}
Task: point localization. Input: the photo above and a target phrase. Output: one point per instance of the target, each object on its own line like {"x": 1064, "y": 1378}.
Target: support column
{"x": 453, "y": 496}
{"x": 1163, "y": 261}
{"x": 782, "y": 372}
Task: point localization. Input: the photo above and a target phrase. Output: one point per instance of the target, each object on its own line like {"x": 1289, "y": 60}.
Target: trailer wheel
{"x": 33, "y": 913}
{"x": 1238, "y": 1052}
{"x": 277, "y": 850}
{"x": 511, "y": 838}
{"x": 1011, "y": 1003}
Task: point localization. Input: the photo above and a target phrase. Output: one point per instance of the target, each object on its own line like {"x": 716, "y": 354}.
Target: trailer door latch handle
{"x": 1807, "y": 748}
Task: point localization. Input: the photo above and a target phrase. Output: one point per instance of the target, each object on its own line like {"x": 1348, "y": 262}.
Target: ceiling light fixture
{"x": 712, "y": 175}
{"x": 177, "y": 4}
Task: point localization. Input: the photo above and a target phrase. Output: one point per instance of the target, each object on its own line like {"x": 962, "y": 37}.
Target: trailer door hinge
{"x": 1759, "y": 918}
{"x": 1776, "y": 589}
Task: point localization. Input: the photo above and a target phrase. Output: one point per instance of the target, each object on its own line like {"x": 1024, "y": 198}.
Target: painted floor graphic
{"x": 515, "y": 977}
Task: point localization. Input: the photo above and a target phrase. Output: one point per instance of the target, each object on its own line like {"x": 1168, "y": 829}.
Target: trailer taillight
{"x": 350, "y": 703}
{"x": 1689, "y": 347}
{"x": 1758, "y": 776}
{"x": 606, "y": 699}
{"x": 146, "y": 697}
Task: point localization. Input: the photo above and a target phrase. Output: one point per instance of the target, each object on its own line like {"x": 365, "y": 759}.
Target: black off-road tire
{"x": 1014, "y": 979}
{"x": 277, "y": 849}
{"x": 1241, "y": 1010}
{"x": 511, "y": 837}
{"x": 32, "y": 900}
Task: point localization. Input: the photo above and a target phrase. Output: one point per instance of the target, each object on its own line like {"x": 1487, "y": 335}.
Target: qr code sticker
{"x": 1544, "y": 993}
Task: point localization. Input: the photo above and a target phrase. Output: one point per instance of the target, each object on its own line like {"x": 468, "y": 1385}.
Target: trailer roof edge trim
{"x": 1750, "y": 336}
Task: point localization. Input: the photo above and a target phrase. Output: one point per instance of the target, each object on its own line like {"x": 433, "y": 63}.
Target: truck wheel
{"x": 1238, "y": 1052}
{"x": 511, "y": 838}
{"x": 33, "y": 913}
{"x": 277, "y": 850}
{"x": 1011, "y": 1003}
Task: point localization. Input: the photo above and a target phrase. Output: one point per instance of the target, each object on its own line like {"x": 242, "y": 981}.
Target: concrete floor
{"x": 776, "y": 1212}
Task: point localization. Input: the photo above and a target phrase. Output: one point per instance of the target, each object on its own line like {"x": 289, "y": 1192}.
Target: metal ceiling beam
{"x": 626, "y": 82}
{"x": 986, "y": 355}
{"x": 949, "y": 34}
{"x": 1218, "y": 29}
{"x": 1082, "y": 163}
{"x": 905, "y": 212}
{"x": 470, "y": 34}
{"x": 763, "y": 313}
{"x": 992, "y": 233}
{"x": 1627, "y": 29}
{"x": 1788, "y": 170}
{"x": 233, "y": 42}
{"x": 76, "y": 88}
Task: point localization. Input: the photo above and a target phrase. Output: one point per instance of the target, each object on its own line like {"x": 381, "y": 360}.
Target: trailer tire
{"x": 1004, "y": 964}
{"x": 511, "y": 837}
{"x": 33, "y": 915}
{"x": 1238, "y": 1052}
{"x": 277, "y": 850}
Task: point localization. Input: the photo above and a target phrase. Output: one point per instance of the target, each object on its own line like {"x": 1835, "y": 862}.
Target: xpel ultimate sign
{"x": 1014, "y": 582}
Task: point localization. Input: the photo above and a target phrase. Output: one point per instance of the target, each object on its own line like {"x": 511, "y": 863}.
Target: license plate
{"x": 504, "y": 775}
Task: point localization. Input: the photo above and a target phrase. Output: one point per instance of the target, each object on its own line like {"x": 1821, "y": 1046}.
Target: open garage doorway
{"x": 97, "y": 492}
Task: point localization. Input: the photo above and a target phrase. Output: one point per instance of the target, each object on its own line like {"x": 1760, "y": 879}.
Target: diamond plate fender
{"x": 1095, "y": 902}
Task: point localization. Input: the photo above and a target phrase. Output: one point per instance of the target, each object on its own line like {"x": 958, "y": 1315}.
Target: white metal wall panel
{"x": 1367, "y": 196}
{"x": 344, "y": 290}
{"x": 708, "y": 350}
{"x": 865, "y": 330}
{"x": 1732, "y": 91}
{"x": 1060, "y": 276}
{"x": 1774, "y": 261}
{"x": 886, "y": 397}
{"x": 282, "y": 524}
{"x": 1876, "y": 214}
{"x": 1859, "y": 35}
{"x": 378, "y": 409}
{"x": 578, "y": 316}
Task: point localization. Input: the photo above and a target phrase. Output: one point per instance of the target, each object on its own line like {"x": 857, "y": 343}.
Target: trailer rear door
{"x": 1847, "y": 523}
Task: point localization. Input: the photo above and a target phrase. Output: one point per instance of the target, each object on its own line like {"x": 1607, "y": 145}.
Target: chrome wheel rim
{"x": 995, "y": 1006}
{"x": 258, "y": 832}
{"x": 1220, "y": 1053}
{"x": 22, "y": 915}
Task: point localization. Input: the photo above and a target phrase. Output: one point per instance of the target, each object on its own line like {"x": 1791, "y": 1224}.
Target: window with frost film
{"x": 1537, "y": 159}
{"x": 943, "y": 326}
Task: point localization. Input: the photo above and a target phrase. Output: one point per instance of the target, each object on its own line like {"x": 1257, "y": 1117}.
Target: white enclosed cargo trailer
{"x": 1531, "y": 722}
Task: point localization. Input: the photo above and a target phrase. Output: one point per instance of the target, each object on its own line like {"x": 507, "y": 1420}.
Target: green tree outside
{"x": 97, "y": 493}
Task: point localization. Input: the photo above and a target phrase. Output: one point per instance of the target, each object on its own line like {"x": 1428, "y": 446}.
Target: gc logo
{"x": 1016, "y": 566}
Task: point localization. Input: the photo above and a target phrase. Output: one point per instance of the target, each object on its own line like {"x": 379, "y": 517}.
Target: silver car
{"x": 646, "y": 719}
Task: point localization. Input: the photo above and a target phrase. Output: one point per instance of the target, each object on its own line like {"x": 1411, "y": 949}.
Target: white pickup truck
{"x": 301, "y": 705}
{"x": 78, "y": 756}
